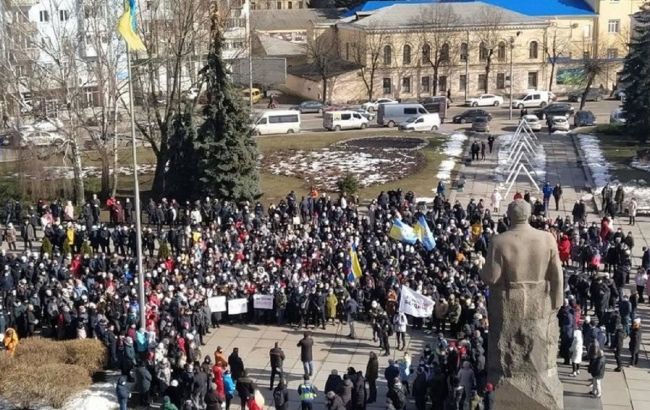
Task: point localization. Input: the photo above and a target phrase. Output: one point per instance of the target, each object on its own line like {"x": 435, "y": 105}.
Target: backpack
{"x": 278, "y": 398}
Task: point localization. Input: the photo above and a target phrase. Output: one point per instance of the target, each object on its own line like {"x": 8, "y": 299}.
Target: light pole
{"x": 512, "y": 46}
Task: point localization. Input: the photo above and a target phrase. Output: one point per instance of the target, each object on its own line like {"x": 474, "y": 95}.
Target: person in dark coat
{"x": 122, "y": 392}
{"x": 372, "y": 374}
{"x": 306, "y": 357}
{"x": 143, "y": 384}
{"x": 281, "y": 396}
{"x": 420, "y": 389}
{"x": 619, "y": 339}
{"x": 359, "y": 394}
{"x": 245, "y": 388}
{"x": 597, "y": 372}
{"x": 346, "y": 392}
{"x": 276, "y": 356}
{"x": 439, "y": 390}
{"x": 211, "y": 400}
{"x": 199, "y": 386}
{"x": 396, "y": 395}
{"x": 636, "y": 337}
{"x": 236, "y": 364}
{"x": 334, "y": 382}
{"x": 488, "y": 397}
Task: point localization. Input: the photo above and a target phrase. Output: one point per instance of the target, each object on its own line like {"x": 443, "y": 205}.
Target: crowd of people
{"x": 80, "y": 281}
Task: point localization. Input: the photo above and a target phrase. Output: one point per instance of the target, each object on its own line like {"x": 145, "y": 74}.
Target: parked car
{"x": 481, "y": 124}
{"x": 424, "y": 122}
{"x": 366, "y": 114}
{"x": 343, "y": 120}
{"x": 533, "y": 122}
{"x": 254, "y": 93}
{"x": 618, "y": 117}
{"x": 593, "y": 94}
{"x": 559, "y": 123}
{"x": 469, "y": 115}
{"x": 277, "y": 122}
{"x": 373, "y": 106}
{"x": 309, "y": 106}
{"x": 533, "y": 99}
{"x": 432, "y": 104}
{"x": 41, "y": 139}
{"x": 393, "y": 114}
{"x": 584, "y": 118}
{"x": 485, "y": 100}
{"x": 555, "y": 109}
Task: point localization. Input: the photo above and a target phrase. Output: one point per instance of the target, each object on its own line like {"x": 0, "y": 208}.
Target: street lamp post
{"x": 512, "y": 46}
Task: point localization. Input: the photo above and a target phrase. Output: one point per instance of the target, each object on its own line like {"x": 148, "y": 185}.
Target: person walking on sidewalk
{"x": 597, "y": 371}
{"x": 635, "y": 341}
{"x": 557, "y": 195}
{"x": 276, "y": 356}
{"x": 491, "y": 142}
{"x": 641, "y": 283}
{"x": 619, "y": 339}
{"x": 307, "y": 393}
{"x": 632, "y": 208}
{"x": 306, "y": 357}
{"x": 482, "y": 150}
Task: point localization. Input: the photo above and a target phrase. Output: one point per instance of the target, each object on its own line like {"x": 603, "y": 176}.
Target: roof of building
{"x": 468, "y": 14}
{"x": 533, "y": 8}
{"x": 273, "y": 46}
{"x": 291, "y": 20}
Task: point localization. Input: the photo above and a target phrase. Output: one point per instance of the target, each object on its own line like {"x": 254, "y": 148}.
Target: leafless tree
{"x": 556, "y": 45}
{"x": 366, "y": 52}
{"x": 438, "y": 39}
{"x": 594, "y": 66}
{"x": 489, "y": 25}
{"x": 322, "y": 54}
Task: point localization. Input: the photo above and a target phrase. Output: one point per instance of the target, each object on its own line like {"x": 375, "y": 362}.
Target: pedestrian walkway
{"x": 627, "y": 390}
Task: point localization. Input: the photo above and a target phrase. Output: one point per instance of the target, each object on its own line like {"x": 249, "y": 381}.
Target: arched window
{"x": 444, "y": 53}
{"x": 388, "y": 55}
{"x": 532, "y": 50}
{"x": 482, "y": 52}
{"x": 464, "y": 52}
{"x": 501, "y": 51}
{"x": 426, "y": 53}
{"x": 406, "y": 55}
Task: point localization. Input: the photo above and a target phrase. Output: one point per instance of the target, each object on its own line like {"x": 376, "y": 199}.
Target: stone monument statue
{"x": 524, "y": 273}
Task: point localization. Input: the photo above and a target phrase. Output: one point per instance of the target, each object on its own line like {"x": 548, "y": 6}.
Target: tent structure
{"x": 522, "y": 157}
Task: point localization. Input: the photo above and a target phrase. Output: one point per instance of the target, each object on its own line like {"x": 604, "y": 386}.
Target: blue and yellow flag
{"x": 354, "y": 262}
{"x": 402, "y": 232}
{"x": 127, "y": 25}
{"x": 424, "y": 234}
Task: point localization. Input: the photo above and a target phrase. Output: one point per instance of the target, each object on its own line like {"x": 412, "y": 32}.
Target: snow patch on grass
{"x": 453, "y": 149}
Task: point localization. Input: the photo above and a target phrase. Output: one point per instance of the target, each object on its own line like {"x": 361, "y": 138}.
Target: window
{"x": 532, "y": 80}
{"x": 300, "y": 4}
{"x": 426, "y": 53}
{"x": 406, "y": 55}
{"x": 289, "y": 5}
{"x": 612, "y": 53}
{"x": 462, "y": 82}
{"x": 501, "y": 51}
{"x": 388, "y": 55}
{"x": 483, "y": 52}
{"x": 278, "y": 5}
{"x": 43, "y": 16}
{"x": 532, "y": 50}
{"x": 346, "y": 117}
{"x": 387, "y": 86}
{"x": 268, "y": 5}
{"x": 442, "y": 83}
{"x": 481, "y": 82}
{"x": 426, "y": 84}
{"x": 410, "y": 111}
{"x": 444, "y": 53}
{"x": 501, "y": 81}
{"x": 464, "y": 52}
{"x": 406, "y": 84}
{"x": 614, "y": 26}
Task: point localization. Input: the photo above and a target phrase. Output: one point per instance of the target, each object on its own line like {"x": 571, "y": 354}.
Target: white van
{"x": 343, "y": 120}
{"x": 277, "y": 122}
{"x": 533, "y": 99}
{"x": 424, "y": 122}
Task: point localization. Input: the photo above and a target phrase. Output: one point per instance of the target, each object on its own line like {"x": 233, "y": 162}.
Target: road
{"x": 500, "y": 122}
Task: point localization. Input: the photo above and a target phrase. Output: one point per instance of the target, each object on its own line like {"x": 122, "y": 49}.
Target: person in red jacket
{"x": 217, "y": 371}
{"x": 564, "y": 249}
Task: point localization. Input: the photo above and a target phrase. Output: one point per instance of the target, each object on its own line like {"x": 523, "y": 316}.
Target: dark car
{"x": 481, "y": 124}
{"x": 584, "y": 118}
{"x": 554, "y": 110}
{"x": 470, "y": 116}
{"x": 309, "y": 106}
{"x": 432, "y": 104}
{"x": 593, "y": 94}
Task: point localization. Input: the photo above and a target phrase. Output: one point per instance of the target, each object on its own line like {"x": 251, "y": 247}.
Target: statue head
{"x": 519, "y": 212}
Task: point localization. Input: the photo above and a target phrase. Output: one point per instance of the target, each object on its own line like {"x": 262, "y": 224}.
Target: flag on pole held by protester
{"x": 424, "y": 234}
{"x": 354, "y": 260}
{"x": 415, "y": 304}
{"x": 127, "y": 26}
{"x": 402, "y": 232}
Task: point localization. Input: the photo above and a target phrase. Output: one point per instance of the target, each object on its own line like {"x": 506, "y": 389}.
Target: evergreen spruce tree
{"x": 182, "y": 172}
{"x": 225, "y": 145}
{"x": 636, "y": 77}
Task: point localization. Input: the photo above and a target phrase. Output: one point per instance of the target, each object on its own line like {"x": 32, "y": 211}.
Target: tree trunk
{"x": 158, "y": 185}
{"x": 371, "y": 88}
{"x": 583, "y": 100}
{"x": 324, "y": 96}
{"x": 115, "y": 159}
{"x": 78, "y": 183}
{"x": 488, "y": 66}
{"x": 550, "y": 82}
{"x": 106, "y": 177}
{"x": 434, "y": 87}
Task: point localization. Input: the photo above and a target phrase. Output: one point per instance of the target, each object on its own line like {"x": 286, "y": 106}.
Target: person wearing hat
{"x": 334, "y": 401}
{"x": 220, "y": 358}
{"x": 307, "y": 393}
{"x": 306, "y": 345}
{"x": 122, "y": 392}
{"x": 636, "y": 338}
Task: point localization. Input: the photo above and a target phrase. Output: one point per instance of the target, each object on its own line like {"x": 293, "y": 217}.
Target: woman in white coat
{"x": 399, "y": 326}
{"x": 576, "y": 352}
{"x": 496, "y": 201}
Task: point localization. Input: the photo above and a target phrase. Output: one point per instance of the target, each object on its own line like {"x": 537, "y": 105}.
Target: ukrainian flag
{"x": 127, "y": 25}
{"x": 424, "y": 234}
{"x": 354, "y": 262}
{"x": 402, "y": 232}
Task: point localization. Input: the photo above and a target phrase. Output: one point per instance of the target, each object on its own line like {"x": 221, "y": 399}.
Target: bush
{"x": 46, "y": 246}
{"x": 609, "y": 129}
{"x": 348, "y": 184}
{"x": 47, "y": 372}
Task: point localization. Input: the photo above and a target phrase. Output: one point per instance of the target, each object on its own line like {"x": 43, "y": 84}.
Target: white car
{"x": 559, "y": 123}
{"x": 485, "y": 100}
{"x": 618, "y": 117}
{"x": 41, "y": 139}
{"x": 533, "y": 122}
{"x": 424, "y": 122}
{"x": 372, "y": 106}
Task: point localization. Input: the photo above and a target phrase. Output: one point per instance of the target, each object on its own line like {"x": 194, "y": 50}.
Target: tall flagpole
{"x": 136, "y": 193}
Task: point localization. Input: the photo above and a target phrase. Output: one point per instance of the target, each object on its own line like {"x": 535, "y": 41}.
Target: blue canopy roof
{"x": 534, "y": 8}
